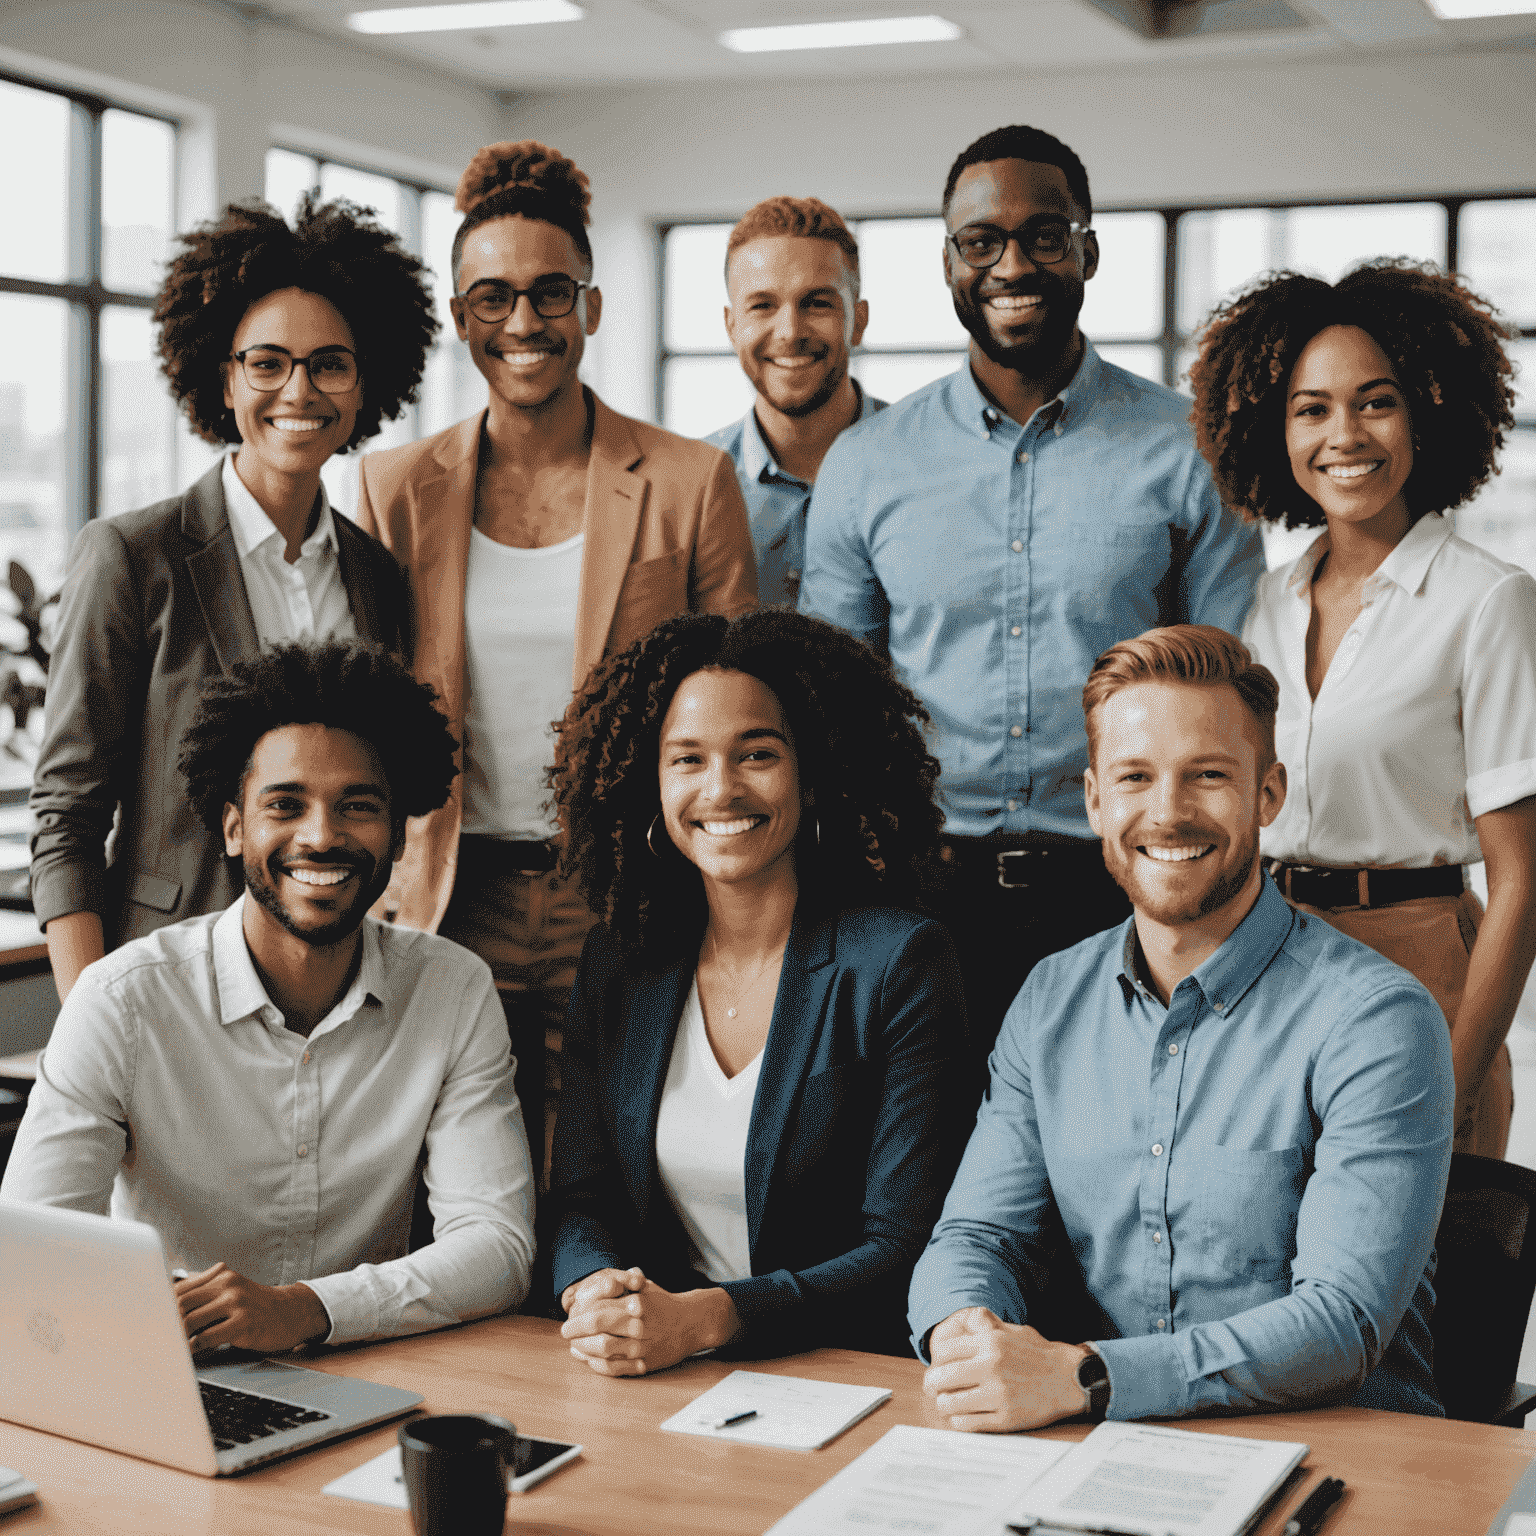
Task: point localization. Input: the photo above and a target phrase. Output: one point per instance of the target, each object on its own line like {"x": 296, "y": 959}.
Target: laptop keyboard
{"x": 238, "y": 1418}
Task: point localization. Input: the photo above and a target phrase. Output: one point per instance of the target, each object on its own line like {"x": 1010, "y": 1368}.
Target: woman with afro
{"x": 757, "y": 1125}
{"x": 1406, "y": 656}
{"x": 288, "y": 344}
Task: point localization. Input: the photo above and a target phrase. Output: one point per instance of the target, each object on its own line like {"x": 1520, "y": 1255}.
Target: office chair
{"x": 1484, "y": 1281}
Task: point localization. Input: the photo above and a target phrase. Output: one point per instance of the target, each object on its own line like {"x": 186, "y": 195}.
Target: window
{"x": 87, "y": 425}
{"x": 424, "y": 219}
{"x": 1162, "y": 272}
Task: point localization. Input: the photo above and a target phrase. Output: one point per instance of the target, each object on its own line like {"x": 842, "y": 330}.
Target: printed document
{"x": 787, "y": 1411}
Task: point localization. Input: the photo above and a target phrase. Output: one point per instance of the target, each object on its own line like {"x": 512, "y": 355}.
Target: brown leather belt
{"x": 1328, "y": 888}
{"x": 1027, "y": 862}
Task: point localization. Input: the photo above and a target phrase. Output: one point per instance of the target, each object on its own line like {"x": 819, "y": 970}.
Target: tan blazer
{"x": 666, "y": 533}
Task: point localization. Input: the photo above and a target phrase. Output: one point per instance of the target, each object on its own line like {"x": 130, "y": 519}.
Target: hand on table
{"x": 220, "y": 1306}
{"x": 621, "y": 1324}
{"x": 991, "y": 1375}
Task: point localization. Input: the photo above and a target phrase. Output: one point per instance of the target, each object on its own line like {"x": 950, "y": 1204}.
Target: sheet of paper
{"x": 16, "y": 1491}
{"x": 1520, "y": 1525}
{"x": 791, "y": 1412}
{"x": 1144, "y": 1480}
{"x": 925, "y": 1482}
{"x": 375, "y": 1482}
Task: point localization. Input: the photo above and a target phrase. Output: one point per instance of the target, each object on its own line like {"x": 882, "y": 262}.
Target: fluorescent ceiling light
{"x": 457, "y": 18}
{"x": 1461, "y": 10}
{"x": 841, "y": 34}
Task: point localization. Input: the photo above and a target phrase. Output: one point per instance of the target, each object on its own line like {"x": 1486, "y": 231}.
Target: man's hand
{"x": 220, "y": 1306}
{"x": 621, "y": 1324}
{"x": 991, "y": 1375}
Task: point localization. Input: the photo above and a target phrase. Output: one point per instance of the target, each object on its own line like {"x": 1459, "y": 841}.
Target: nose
{"x": 299, "y": 387}
{"x": 1169, "y": 800}
{"x": 524, "y": 320}
{"x": 721, "y": 781}
{"x": 318, "y": 829}
{"x": 1014, "y": 262}
{"x": 1344, "y": 430}
{"x": 786, "y": 323}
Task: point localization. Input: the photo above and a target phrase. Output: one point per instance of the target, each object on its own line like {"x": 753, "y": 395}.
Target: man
{"x": 262, "y": 1085}
{"x": 1240, "y": 1117}
{"x": 537, "y": 536}
{"x": 792, "y": 273}
{"x": 998, "y": 529}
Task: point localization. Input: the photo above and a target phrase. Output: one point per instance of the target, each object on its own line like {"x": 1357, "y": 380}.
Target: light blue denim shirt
{"x": 776, "y": 503}
{"x": 995, "y": 562}
{"x": 1250, "y": 1179}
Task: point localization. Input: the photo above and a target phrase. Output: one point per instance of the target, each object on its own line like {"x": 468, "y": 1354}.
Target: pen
{"x": 1309, "y": 1518}
{"x": 735, "y": 1418}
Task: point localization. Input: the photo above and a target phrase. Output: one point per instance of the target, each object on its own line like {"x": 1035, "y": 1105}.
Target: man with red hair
{"x": 792, "y": 274}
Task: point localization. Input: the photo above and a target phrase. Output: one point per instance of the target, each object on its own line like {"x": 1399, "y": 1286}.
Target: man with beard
{"x": 263, "y": 1084}
{"x": 998, "y": 529}
{"x": 792, "y": 273}
{"x": 1240, "y": 1117}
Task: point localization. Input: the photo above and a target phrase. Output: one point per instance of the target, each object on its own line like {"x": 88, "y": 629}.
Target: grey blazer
{"x": 154, "y": 604}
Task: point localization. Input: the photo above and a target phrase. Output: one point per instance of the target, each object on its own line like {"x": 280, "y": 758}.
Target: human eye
{"x": 977, "y": 242}
{"x": 331, "y": 364}
{"x": 264, "y": 364}
{"x": 363, "y": 807}
{"x": 1386, "y": 402}
{"x": 284, "y": 805}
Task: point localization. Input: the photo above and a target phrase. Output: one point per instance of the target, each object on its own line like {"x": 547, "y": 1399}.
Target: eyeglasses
{"x": 1046, "y": 240}
{"x": 332, "y": 370}
{"x": 552, "y": 297}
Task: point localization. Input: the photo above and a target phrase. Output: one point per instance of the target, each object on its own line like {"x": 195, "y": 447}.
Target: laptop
{"x": 92, "y": 1347}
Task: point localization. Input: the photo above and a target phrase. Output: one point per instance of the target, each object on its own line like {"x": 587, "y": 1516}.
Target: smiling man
{"x": 264, "y": 1085}
{"x": 998, "y": 529}
{"x": 792, "y": 273}
{"x": 1240, "y": 1117}
{"x": 538, "y": 535}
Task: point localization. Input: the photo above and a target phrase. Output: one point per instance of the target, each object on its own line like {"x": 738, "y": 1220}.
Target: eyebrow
{"x": 1204, "y": 759}
{"x": 810, "y": 293}
{"x": 506, "y": 282}
{"x": 755, "y": 734}
{"x": 1360, "y": 389}
{"x": 295, "y": 786}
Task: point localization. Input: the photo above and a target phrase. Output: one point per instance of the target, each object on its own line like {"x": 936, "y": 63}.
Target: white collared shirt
{"x": 172, "y": 1093}
{"x": 1426, "y": 717}
{"x": 303, "y": 601}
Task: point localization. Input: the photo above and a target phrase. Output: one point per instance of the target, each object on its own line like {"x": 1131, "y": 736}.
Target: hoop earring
{"x": 649, "y": 831}
{"x": 818, "y": 831}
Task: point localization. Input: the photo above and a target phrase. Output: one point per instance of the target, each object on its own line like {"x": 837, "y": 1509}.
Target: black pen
{"x": 735, "y": 1418}
{"x": 1309, "y": 1518}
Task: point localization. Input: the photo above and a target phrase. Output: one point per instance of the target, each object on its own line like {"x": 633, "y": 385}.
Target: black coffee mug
{"x": 456, "y": 1469}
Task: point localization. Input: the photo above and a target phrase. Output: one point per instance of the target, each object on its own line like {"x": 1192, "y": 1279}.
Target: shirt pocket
{"x": 1106, "y": 558}
{"x": 1243, "y": 1206}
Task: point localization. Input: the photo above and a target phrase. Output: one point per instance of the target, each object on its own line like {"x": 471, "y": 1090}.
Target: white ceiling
{"x": 649, "y": 42}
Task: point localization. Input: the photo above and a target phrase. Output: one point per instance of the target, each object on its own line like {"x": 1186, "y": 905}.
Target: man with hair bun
{"x": 1216, "y": 1140}
{"x": 538, "y": 536}
{"x": 792, "y": 274}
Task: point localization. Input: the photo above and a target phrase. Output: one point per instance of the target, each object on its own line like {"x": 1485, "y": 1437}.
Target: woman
{"x": 289, "y": 344}
{"x": 754, "y": 1140}
{"x": 1406, "y": 656}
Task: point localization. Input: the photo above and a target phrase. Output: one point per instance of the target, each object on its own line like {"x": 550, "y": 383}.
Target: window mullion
{"x": 82, "y": 486}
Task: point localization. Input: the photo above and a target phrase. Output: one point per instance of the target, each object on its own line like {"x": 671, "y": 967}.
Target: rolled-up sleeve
{"x": 1498, "y": 714}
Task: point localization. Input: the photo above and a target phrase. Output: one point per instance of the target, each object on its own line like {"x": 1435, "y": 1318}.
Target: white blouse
{"x": 701, "y": 1147}
{"x": 1426, "y": 717}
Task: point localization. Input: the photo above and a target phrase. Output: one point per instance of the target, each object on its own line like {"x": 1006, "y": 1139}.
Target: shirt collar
{"x": 251, "y": 525}
{"x": 1301, "y": 575}
{"x": 1225, "y": 978}
{"x": 982, "y": 417}
{"x": 756, "y": 457}
{"x": 1409, "y": 563}
{"x": 242, "y": 996}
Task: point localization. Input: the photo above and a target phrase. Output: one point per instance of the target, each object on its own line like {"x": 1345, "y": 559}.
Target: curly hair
{"x": 1019, "y": 142}
{"x": 348, "y": 687}
{"x": 335, "y": 250}
{"x": 526, "y": 178}
{"x": 805, "y": 216}
{"x": 1445, "y": 347}
{"x": 863, "y": 761}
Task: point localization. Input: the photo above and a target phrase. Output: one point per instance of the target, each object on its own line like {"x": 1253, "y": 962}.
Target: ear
{"x": 229, "y": 394}
{"x": 594, "y": 310}
{"x": 234, "y": 831}
{"x": 949, "y": 277}
{"x": 860, "y": 321}
{"x": 1090, "y": 255}
{"x": 1091, "y": 800}
{"x": 1272, "y": 789}
{"x": 459, "y": 310}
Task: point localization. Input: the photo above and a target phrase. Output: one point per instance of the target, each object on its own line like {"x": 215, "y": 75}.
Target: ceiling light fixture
{"x": 457, "y": 18}
{"x": 841, "y": 34}
{"x": 1464, "y": 10}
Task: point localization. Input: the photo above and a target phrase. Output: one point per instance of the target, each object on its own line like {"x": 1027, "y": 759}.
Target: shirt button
{"x": 1162, "y": 1323}
{"x": 1173, "y": 1050}
{"x": 1018, "y": 546}
{"x": 306, "y": 1058}
{"x": 1013, "y": 805}
{"x": 793, "y": 574}
{"x": 1015, "y": 730}
{"x": 303, "y": 1148}
{"x": 1023, "y": 458}
{"x": 1018, "y": 629}
{"x": 1157, "y": 1149}
{"x": 1157, "y": 1237}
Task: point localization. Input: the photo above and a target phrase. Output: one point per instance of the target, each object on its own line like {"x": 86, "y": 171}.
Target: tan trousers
{"x": 1432, "y": 938}
{"x": 529, "y": 929}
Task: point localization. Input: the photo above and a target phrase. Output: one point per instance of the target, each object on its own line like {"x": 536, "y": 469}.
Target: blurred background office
{"x": 1222, "y": 138}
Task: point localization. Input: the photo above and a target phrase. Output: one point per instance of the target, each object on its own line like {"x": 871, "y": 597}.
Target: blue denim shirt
{"x": 776, "y": 503}
{"x": 1250, "y": 1179}
{"x": 995, "y": 562}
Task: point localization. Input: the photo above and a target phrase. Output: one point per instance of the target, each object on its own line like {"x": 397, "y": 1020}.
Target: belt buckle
{"x": 1002, "y": 869}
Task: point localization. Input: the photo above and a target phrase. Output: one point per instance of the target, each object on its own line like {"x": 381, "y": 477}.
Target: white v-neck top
{"x": 701, "y": 1147}
{"x": 1426, "y": 717}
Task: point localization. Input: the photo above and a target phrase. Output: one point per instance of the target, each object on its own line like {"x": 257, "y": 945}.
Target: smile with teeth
{"x": 792, "y": 362}
{"x": 526, "y": 359}
{"x": 732, "y": 828}
{"x": 319, "y": 876}
{"x": 1351, "y": 471}
{"x": 300, "y": 423}
{"x": 1178, "y": 854}
{"x": 1014, "y": 301}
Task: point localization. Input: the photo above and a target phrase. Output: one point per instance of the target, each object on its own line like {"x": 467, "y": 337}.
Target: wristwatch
{"x": 1093, "y": 1378}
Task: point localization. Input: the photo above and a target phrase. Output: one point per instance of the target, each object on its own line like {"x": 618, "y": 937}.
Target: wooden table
{"x": 1405, "y": 1474}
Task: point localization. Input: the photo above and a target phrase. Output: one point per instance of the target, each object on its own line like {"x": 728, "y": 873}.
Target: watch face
{"x": 1091, "y": 1370}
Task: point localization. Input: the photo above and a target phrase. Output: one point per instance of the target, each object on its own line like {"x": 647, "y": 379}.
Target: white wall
{"x": 1413, "y": 124}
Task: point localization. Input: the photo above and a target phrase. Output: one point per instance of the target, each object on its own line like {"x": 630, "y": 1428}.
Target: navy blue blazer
{"x": 852, "y": 1142}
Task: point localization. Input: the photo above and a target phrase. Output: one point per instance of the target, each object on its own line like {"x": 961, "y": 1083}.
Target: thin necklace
{"x": 730, "y": 1013}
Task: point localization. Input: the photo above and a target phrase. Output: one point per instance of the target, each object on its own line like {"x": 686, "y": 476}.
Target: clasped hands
{"x": 221, "y": 1306}
{"x": 996, "y": 1376}
{"x": 621, "y": 1324}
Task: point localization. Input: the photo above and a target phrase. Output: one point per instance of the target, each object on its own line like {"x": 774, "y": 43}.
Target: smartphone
{"x": 538, "y": 1458}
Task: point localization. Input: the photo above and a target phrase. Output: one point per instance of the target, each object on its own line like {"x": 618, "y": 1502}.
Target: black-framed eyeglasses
{"x": 332, "y": 370}
{"x": 1044, "y": 239}
{"x": 552, "y": 298}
